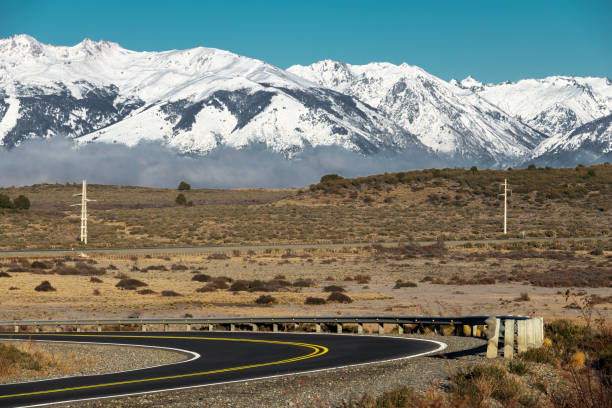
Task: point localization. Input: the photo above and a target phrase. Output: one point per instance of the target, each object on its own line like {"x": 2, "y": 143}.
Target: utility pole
{"x": 505, "y": 195}
{"x": 83, "y": 205}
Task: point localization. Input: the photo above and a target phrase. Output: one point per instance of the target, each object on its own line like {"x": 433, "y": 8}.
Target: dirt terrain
{"x": 408, "y": 279}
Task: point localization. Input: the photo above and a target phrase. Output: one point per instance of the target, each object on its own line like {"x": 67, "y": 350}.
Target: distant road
{"x": 214, "y": 358}
{"x": 194, "y": 250}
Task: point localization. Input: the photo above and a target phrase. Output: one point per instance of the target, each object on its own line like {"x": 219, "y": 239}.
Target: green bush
{"x": 518, "y": 368}
{"x": 21, "y": 203}
{"x": 468, "y": 384}
{"x": 181, "y": 200}
{"x": 5, "y": 201}
{"x": 183, "y": 186}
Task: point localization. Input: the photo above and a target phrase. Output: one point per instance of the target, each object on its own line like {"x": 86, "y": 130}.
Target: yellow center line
{"x": 317, "y": 351}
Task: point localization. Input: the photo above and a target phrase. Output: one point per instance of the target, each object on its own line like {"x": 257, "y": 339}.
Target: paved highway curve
{"x": 212, "y": 358}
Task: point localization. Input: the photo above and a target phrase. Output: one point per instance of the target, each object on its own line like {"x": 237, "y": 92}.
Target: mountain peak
{"x": 21, "y": 44}
{"x": 471, "y": 83}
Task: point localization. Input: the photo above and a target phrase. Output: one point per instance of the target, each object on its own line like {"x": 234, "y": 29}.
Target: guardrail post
{"x": 254, "y": 327}
{"x": 188, "y": 327}
{"x": 531, "y": 341}
{"x": 144, "y": 327}
{"x": 400, "y": 328}
{"x": 232, "y": 327}
{"x": 339, "y": 327}
{"x": 359, "y": 328}
{"x": 539, "y": 331}
{"x": 318, "y": 327}
{"x": 36, "y": 328}
{"x": 78, "y": 328}
{"x": 521, "y": 338}
{"x": 166, "y": 327}
{"x": 508, "y": 339}
{"x": 275, "y": 327}
{"x": 492, "y": 332}
{"x": 58, "y": 328}
{"x": 475, "y": 331}
{"x": 99, "y": 328}
{"x": 211, "y": 327}
{"x": 16, "y": 329}
{"x": 381, "y": 328}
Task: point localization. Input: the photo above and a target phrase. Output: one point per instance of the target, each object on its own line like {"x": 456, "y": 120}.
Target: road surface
{"x": 212, "y": 358}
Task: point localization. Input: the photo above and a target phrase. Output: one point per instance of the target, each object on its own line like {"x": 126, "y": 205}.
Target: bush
{"x": 40, "y": 265}
{"x": 333, "y": 288}
{"x": 93, "y": 279}
{"x": 201, "y": 277}
{"x": 339, "y": 297}
{"x": 130, "y": 284}
{"x": 469, "y": 384}
{"x": 330, "y": 177}
{"x": 265, "y": 300}
{"x": 4, "y": 275}
{"x": 302, "y": 283}
{"x": 180, "y": 199}
{"x": 21, "y": 203}
{"x": 399, "y": 284}
{"x": 44, "y": 286}
{"x": 314, "y": 301}
{"x": 518, "y": 368}
{"x": 146, "y": 292}
{"x": 170, "y": 293}
{"x": 184, "y": 186}
{"x": 5, "y": 201}
{"x": 211, "y": 287}
{"x": 544, "y": 355}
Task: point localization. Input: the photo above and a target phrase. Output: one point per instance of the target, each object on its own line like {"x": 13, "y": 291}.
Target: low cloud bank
{"x": 155, "y": 165}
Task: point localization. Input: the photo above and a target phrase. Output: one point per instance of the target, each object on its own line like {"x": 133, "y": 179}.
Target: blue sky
{"x": 492, "y": 40}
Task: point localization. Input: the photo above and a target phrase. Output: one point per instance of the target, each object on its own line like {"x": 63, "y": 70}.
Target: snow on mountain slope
{"x": 195, "y": 99}
{"x": 589, "y": 143}
{"x": 555, "y": 105}
{"x": 448, "y": 119}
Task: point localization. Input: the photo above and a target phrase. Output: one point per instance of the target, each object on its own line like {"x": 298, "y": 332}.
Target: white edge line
{"x": 441, "y": 347}
{"x": 194, "y": 355}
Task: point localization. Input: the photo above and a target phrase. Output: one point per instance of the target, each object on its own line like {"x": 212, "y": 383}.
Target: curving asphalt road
{"x": 213, "y": 358}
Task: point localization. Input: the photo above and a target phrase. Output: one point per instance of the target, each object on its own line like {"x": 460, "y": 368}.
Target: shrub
{"x": 330, "y": 177}
{"x": 469, "y": 384}
{"x": 178, "y": 267}
{"x": 180, "y": 199}
{"x": 18, "y": 358}
{"x": 21, "y": 203}
{"x": 399, "y": 284}
{"x": 4, "y": 275}
{"x": 302, "y": 283}
{"x": 93, "y": 279}
{"x": 524, "y": 297}
{"x": 211, "y": 287}
{"x": 201, "y": 277}
{"x": 96, "y": 292}
{"x": 333, "y": 288}
{"x": 40, "y": 265}
{"x": 44, "y": 286}
{"x": 170, "y": 293}
{"x": 265, "y": 300}
{"x": 146, "y": 292}
{"x": 518, "y": 368}
{"x": 130, "y": 284}
{"x": 218, "y": 256}
{"x": 183, "y": 186}
{"x": 544, "y": 355}
{"x": 314, "y": 301}
{"x": 239, "y": 286}
{"x": 5, "y": 201}
{"x": 339, "y": 297}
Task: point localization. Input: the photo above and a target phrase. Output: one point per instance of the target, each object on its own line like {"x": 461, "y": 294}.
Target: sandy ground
{"x": 74, "y": 296}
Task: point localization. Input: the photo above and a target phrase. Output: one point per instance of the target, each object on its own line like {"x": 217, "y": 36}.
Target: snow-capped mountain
{"x": 555, "y": 105}
{"x": 202, "y": 98}
{"x": 449, "y": 119}
{"x": 589, "y": 143}
{"x": 194, "y": 99}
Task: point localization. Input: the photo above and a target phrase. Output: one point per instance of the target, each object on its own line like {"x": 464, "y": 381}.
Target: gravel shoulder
{"x": 321, "y": 388}
{"x": 94, "y": 359}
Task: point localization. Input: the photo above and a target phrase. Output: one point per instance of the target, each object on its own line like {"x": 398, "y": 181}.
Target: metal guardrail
{"x": 527, "y": 331}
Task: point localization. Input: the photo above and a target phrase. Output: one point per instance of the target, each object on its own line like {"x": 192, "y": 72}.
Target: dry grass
{"x": 26, "y": 358}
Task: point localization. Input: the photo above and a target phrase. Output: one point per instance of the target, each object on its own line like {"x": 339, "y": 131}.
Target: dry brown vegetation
{"x": 25, "y": 358}
{"x": 428, "y": 204}
{"x": 403, "y": 279}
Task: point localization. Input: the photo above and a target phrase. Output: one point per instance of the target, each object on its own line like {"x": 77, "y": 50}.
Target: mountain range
{"x": 200, "y": 99}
